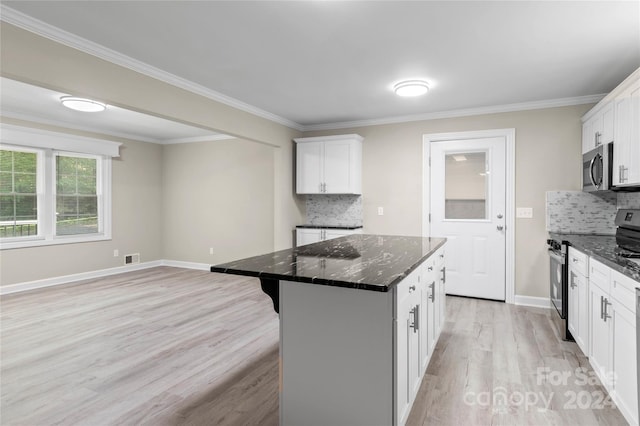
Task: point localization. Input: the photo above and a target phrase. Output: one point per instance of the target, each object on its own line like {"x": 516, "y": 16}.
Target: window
{"x": 53, "y": 196}
{"x": 18, "y": 193}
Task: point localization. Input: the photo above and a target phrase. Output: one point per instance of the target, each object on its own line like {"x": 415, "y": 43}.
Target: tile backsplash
{"x": 334, "y": 210}
{"x": 581, "y": 212}
{"x": 629, "y": 200}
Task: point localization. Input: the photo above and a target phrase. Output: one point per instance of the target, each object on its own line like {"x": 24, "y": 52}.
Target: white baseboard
{"x": 536, "y": 302}
{"x": 66, "y": 279}
{"x": 187, "y": 265}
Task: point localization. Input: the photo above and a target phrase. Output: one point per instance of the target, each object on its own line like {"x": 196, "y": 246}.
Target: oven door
{"x": 557, "y": 279}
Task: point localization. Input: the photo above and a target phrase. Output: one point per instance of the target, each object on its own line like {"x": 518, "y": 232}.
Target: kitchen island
{"x": 359, "y": 319}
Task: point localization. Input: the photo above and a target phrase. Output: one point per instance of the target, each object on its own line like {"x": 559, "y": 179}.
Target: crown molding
{"x": 495, "y": 109}
{"x": 26, "y": 22}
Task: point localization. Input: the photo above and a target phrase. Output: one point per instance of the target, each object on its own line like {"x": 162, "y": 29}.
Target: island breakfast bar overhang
{"x": 359, "y": 318}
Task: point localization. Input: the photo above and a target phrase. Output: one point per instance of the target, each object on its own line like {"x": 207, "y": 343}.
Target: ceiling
{"x": 321, "y": 64}
{"x": 27, "y": 102}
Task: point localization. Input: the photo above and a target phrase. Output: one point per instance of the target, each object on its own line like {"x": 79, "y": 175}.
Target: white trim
{"x": 43, "y": 29}
{"x": 495, "y": 109}
{"x": 536, "y": 302}
{"x": 67, "y": 279}
{"x": 626, "y": 83}
{"x": 187, "y": 265}
{"x": 46, "y": 139}
{"x": 329, "y": 138}
{"x": 510, "y": 178}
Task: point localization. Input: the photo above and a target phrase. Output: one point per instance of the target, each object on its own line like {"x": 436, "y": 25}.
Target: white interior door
{"x": 468, "y": 203}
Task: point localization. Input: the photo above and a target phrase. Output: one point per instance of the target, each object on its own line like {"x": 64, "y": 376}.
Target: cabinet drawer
{"x": 408, "y": 286}
{"x": 578, "y": 262}
{"x": 623, "y": 289}
{"x": 600, "y": 275}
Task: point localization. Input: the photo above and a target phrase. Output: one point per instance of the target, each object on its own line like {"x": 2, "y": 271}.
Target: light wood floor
{"x": 169, "y": 346}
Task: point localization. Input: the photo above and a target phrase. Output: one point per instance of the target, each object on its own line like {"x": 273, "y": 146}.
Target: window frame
{"x": 44, "y": 143}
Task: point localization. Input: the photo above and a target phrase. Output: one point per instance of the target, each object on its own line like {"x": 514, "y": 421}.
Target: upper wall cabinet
{"x": 329, "y": 165}
{"x": 626, "y": 152}
{"x": 616, "y": 118}
{"x": 598, "y": 129}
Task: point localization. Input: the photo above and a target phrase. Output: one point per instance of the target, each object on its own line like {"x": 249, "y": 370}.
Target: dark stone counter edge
{"x": 624, "y": 270}
{"x": 329, "y": 227}
{"x": 317, "y": 281}
{"x": 329, "y": 282}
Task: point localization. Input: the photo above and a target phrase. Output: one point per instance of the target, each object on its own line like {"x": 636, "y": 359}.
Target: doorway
{"x": 469, "y": 199}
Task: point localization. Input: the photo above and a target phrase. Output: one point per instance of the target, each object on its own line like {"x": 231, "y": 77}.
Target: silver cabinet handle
{"x": 412, "y": 288}
{"x": 572, "y": 283}
{"x": 601, "y": 307}
{"x": 432, "y": 296}
{"x": 606, "y": 314}
{"x": 444, "y": 274}
{"x": 598, "y": 136}
{"x": 415, "y": 313}
{"x": 430, "y": 268}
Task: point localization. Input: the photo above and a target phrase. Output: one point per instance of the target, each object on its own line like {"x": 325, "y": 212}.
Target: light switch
{"x": 524, "y": 212}
{"x": 380, "y": 211}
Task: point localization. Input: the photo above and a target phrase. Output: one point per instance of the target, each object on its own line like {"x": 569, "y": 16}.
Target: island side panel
{"x": 336, "y": 349}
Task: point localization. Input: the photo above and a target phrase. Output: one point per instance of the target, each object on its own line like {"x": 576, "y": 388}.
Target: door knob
{"x": 500, "y": 227}
{"x": 500, "y": 216}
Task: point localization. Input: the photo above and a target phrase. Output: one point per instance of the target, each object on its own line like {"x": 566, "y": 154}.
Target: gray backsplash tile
{"x": 334, "y": 210}
{"x": 629, "y": 200}
{"x": 581, "y": 212}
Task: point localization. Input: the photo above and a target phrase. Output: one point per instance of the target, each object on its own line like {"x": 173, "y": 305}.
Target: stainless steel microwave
{"x": 596, "y": 168}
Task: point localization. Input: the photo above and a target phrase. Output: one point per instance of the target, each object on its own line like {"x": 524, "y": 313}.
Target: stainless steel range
{"x": 559, "y": 285}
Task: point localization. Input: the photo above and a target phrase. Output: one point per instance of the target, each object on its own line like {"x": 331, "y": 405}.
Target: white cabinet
{"x": 428, "y": 285}
{"x": 314, "y": 235}
{"x": 409, "y": 334}
{"x": 626, "y": 151}
{"x": 624, "y": 358}
{"x": 578, "y": 321}
{"x": 598, "y": 129}
{"x": 329, "y": 165}
{"x": 612, "y": 325}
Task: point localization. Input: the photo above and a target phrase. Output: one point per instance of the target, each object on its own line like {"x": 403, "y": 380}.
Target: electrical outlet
{"x": 210, "y": 250}
{"x": 524, "y": 212}
{"x": 116, "y": 253}
{"x": 380, "y": 211}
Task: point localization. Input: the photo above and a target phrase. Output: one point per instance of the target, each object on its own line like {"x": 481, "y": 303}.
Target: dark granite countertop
{"x": 330, "y": 226}
{"x": 367, "y": 262}
{"x": 604, "y": 249}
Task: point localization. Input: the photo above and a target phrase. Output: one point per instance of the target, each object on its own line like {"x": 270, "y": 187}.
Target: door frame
{"x": 510, "y": 209}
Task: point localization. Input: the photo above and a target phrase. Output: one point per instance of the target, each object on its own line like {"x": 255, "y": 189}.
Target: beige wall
{"x": 548, "y": 155}
{"x": 217, "y": 195}
{"x": 36, "y": 60}
{"x": 136, "y": 202}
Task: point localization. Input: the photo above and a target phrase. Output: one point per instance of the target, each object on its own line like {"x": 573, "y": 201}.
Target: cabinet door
{"x": 625, "y": 386}
{"x": 573, "y": 306}
{"x": 607, "y": 116}
{"x": 307, "y": 236}
{"x": 626, "y": 152}
{"x": 337, "y": 167}
{"x": 583, "y": 314}
{"x": 587, "y": 137}
{"x": 330, "y": 234}
{"x": 309, "y": 167}
{"x": 403, "y": 359}
{"x": 600, "y": 333}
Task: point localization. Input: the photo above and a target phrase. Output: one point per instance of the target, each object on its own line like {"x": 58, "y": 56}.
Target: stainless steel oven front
{"x": 558, "y": 287}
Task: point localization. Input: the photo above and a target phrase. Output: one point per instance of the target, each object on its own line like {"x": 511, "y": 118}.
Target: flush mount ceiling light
{"x": 82, "y": 104}
{"x": 460, "y": 158}
{"x": 409, "y": 88}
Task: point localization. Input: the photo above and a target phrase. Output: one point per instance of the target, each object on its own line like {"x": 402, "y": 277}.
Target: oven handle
{"x": 555, "y": 256}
